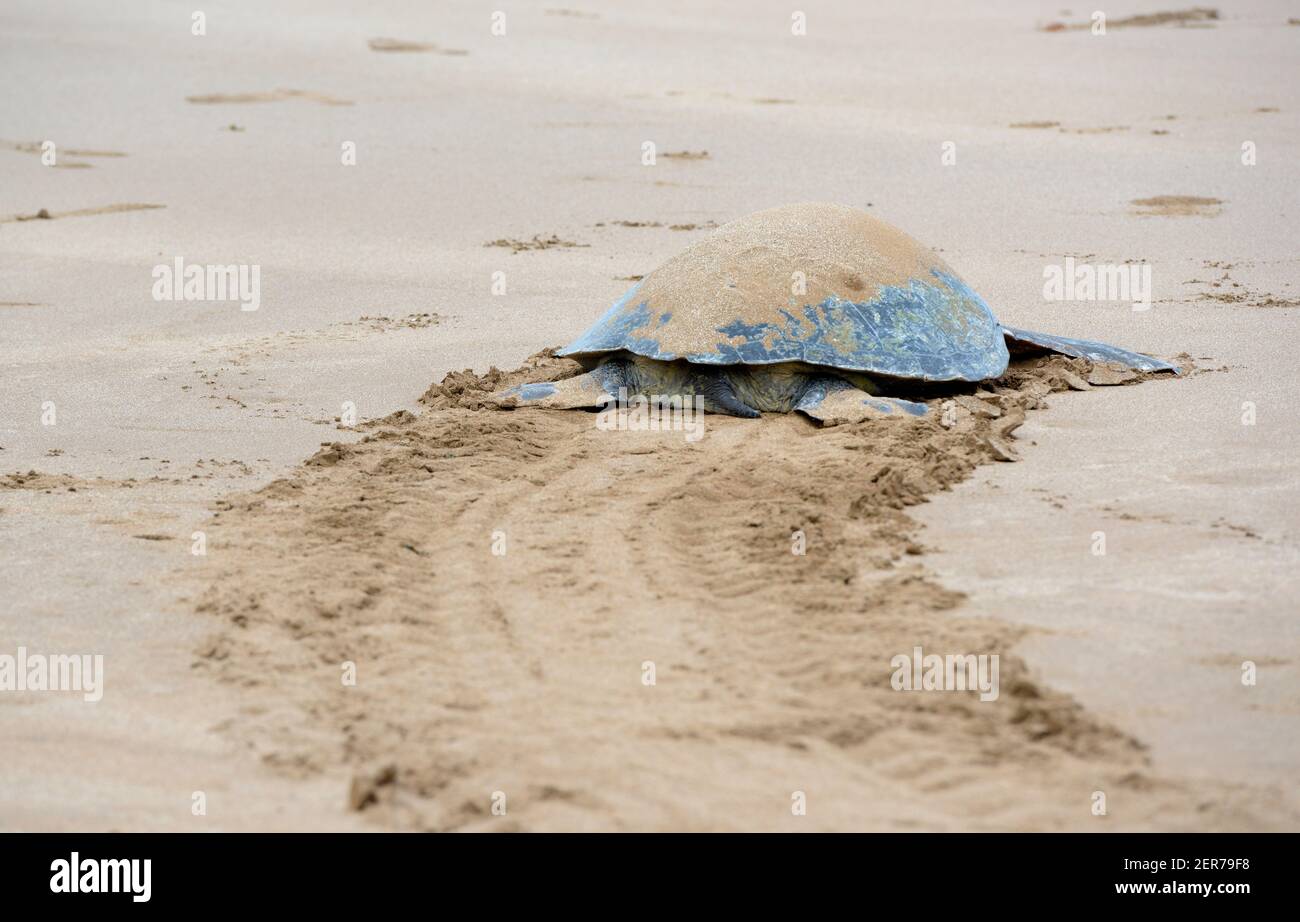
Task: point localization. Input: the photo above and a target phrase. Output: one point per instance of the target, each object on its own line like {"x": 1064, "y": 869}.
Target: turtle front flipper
{"x": 589, "y": 390}
{"x": 834, "y": 400}
{"x": 1023, "y": 341}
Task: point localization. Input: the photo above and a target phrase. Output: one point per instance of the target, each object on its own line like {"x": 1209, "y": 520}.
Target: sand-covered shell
{"x": 823, "y": 284}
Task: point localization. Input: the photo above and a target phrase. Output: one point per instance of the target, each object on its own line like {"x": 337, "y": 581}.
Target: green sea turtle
{"x": 818, "y": 308}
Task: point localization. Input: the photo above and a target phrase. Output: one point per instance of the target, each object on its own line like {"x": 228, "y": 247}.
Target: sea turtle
{"x": 819, "y": 308}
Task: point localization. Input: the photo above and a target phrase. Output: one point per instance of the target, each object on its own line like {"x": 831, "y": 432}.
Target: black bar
{"x": 335, "y": 871}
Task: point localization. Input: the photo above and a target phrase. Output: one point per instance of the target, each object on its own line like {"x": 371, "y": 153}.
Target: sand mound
{"x": 524, "y": 671}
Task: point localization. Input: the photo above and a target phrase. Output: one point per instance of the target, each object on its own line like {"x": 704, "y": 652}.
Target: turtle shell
{"x": 822, "y": 284}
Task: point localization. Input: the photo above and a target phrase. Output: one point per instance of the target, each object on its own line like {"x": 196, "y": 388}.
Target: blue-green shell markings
{"x": 935, "y": 329}
{"x": 1087, "y": 349}
{"x": 875, "y": 309}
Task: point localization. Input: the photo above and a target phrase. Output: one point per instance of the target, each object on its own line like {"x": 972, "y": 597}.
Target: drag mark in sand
{"x": 1227, "y": 290}
{"x": 758, "y": 101}
{"x": 402, "y": 46}
{"x": 47, "y": 215}
{"x": 273, "y": 96}
{"x": 243, "y": 351}
{"x": 499, "y": 581}
{"x": 537, "y": 242}
{"x": 1198, "y": 17}
{"x": 38, "y": 481}
{"x": 1178, "y": 206}
{"x": 37, "y": 148}
{"x": 707, "y": 225}
{"x": 1099, "y": 129}
{"x": 235, "y": 374}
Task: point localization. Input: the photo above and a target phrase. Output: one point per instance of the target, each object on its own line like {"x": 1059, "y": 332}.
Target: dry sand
{"x": 523, "y": 673}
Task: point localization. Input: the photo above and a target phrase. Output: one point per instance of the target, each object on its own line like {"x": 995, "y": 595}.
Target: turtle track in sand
{"x": 522, "y": 673}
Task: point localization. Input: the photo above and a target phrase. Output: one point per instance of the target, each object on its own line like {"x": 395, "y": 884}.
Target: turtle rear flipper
{"x": 1027, "y": 341}
{"x": 721, "y": 397}
{"x": 834, "y": 400}
{"x": 575, "y": 393}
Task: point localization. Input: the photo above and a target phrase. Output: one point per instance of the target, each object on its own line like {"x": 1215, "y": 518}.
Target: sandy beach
{"x": 233, "y": 506}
